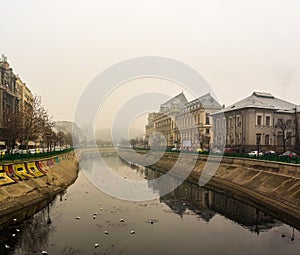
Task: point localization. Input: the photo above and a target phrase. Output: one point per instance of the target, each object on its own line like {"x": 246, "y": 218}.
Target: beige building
{"x": 182, "y": 124}
{"x": 25, "y": 95}
{"x": 260, "y": 121}
{"x": 194, "y": 123}
{"x": 161, "y": 125}
{"x": 9, "y": 97}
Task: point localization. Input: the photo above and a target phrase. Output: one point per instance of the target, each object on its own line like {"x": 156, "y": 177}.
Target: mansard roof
{"x": 180, "y": 99}
{"x": 262, "y": 100}
{"x": 207, "y": 101}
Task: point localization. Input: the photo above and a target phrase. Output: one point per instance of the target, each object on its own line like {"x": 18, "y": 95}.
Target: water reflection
{"x": 206, "y": 203}
{"x": 189, "y": 220}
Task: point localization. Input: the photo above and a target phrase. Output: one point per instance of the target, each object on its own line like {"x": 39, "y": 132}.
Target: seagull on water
{"x": 96, "y": 245}
{"x": 132, "y": 232}
{"x": 106, "y": 232}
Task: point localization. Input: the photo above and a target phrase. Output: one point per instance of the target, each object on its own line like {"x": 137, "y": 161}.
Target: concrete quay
{"x": 23, "y": 198}
{"x": 274, "y": 186}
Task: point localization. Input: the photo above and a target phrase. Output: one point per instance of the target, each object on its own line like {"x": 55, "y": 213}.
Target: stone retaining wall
{"x": 58, "y": 173}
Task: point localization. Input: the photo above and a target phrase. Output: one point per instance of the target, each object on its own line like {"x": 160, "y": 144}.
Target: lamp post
{"x": 258, "y": 138}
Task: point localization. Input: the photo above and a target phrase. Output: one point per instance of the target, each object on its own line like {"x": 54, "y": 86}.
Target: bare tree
{"x": 11, "y": 128}
{"x": 284, "y": 126}
{"x": 36, "y": 121}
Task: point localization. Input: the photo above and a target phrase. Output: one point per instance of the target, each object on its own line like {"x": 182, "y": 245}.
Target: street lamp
{"x": 258, "y": 138}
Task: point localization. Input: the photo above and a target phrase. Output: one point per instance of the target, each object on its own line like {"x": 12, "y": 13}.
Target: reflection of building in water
{"x": 242, "y": 213}
{"x": 206, "y": 203}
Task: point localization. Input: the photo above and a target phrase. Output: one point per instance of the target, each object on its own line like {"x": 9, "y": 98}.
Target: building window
{"x": 267, "y": 140}
{"x": 207, "y": 119}
{"x": 268, "y": 121}
{"x": 238, "y": 121}
{"x": 207, "y": 131}
{"x": 258, "y": 120}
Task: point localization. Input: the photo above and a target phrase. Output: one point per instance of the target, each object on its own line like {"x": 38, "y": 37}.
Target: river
{"x": 189, "y": 220}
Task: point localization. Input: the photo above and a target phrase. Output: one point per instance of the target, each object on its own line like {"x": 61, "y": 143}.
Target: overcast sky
{"x": 58, "y": 47}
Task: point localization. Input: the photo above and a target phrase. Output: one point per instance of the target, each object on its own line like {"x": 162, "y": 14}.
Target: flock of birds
{"x": 132, "y": 232}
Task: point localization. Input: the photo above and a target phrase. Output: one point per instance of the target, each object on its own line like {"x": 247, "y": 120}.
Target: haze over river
{"x": 189, "y": 220}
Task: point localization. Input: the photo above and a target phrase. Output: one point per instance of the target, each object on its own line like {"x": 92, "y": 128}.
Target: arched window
{"x": 267, "y": 140}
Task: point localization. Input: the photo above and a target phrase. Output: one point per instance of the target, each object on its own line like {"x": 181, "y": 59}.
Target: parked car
{"x": 270, "y": 153}
{"x": 288, "y": 154}
{"x": 254, "y": 154}
{"x": 229, "y": 150}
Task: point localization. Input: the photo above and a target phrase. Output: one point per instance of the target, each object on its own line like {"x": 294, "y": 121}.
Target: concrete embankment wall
{"x": 272, "y": 184}
{"x": 47, "y": 178}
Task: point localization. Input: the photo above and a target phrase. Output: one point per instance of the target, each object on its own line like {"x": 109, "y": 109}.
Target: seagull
{"x": 96, "y": 245}
{"x": 122, "y": 220}
{"x": 44, "y": 252}
{"x": 13, "y": 235}
{"x": 101, "y": 208}
{"x": 14, "y": 219}
{"x": 106, "y": 232}
{"x": 77, "y": 218}
{"x": 7, "y": 246}
{"x": 18, "y": 230}
{"x": 151, "y": 221}
{"x": 132, "y": 232}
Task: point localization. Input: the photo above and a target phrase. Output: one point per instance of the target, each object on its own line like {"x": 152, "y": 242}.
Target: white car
{"x": 253, "y": 154}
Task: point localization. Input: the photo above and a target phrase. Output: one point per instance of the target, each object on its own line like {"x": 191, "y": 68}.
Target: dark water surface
{"x": 189, "y": 220}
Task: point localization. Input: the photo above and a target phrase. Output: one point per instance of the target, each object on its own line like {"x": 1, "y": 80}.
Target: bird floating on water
{"x": 18, "y": 230}
{"x": 132, "y": 232}
{"x": 44, "y": 252}
{"x": 7, "y": 246}
{"x": 77, "y": 218}
{"x": 13, "y": 235}
{"x": 96, "y": 245}
{"x": 106, "y": 232}
{"x": 122, "y": 220}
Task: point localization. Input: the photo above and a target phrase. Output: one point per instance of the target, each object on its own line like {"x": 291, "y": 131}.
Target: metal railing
{"x": 29, "y": 155}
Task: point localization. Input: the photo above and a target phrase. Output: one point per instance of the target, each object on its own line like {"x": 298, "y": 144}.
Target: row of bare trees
{"x": 29, "y": 123}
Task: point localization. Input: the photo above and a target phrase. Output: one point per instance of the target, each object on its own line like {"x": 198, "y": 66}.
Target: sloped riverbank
{"x": 24, "y": 195}
{"x": 274, "y": 185}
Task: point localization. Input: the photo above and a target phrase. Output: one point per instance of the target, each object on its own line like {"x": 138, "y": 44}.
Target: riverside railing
{"x": 276, "y": 158}
{"x": 30, "y": 155}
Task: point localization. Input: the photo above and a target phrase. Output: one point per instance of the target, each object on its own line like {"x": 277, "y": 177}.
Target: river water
{"x": 189, "y": 220}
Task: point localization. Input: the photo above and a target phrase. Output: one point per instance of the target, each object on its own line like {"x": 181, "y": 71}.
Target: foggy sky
{"x": 58, "y": 47}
